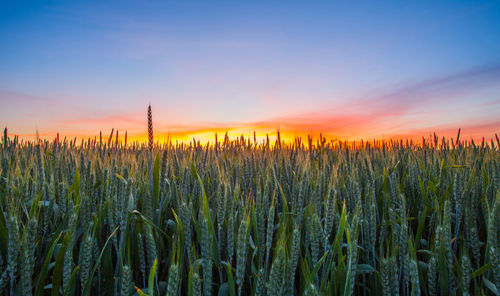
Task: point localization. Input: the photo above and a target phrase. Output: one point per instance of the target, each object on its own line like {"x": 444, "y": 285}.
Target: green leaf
{"x": 364, "y": 268}
{"x": 420, "y": 228}
{"x": 318, "y": 264}
{"x": 86, "y": 291}
{"x": 491, "y": 286}
{"x": 139, "y": 291}
{"x": 151, "y": 278}
{"x": 206, "y": 212}
{"x": 59, "y": 266}
{"x": 340, "y": 231}
{"x": 44, "y": 270}
{"x": 34, "y": 205}
{"x": 70, "y": 287}
{"x": 120, "y": 177}
{"x": 424, "y": 192}
{"x": 230, "y": 280}
{"x": 190, "y": 281}
{"x": 481, "y": 270}
{"x": 141, "y": 216}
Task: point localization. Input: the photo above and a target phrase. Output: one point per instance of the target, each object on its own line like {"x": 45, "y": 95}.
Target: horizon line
{"x": 211, "y": 138}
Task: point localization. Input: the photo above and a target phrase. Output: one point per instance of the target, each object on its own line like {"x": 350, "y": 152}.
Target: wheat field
{"x": 243, "y": 218}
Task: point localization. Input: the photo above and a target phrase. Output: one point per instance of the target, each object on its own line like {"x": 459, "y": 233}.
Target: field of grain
{"x": 241, "y": 218}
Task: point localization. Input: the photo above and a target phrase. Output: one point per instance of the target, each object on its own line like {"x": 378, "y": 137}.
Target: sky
{"x": 347, "y": 69}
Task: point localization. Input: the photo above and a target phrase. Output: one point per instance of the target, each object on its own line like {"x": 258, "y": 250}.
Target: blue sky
{"x": 383, "y": 69}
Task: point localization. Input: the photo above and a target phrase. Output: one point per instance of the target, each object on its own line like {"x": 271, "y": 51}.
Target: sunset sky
{"x": 351, "y": 70}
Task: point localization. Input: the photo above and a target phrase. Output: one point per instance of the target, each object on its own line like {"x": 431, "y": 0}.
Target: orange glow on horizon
{"x": 208, "y": 136}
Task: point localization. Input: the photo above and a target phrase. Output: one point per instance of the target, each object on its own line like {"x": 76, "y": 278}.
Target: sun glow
{"x": 255, "y": 136}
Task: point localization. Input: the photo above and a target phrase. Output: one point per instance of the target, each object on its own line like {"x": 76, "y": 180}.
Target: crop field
{"x": 246, "y": 218}
{"x": 317, "y": 148}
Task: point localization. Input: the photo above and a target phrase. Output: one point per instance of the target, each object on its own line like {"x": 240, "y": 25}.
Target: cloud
{"x": 475, "y": 130}
{"x": 7, "y": 96}
{"x": 117, "y": 120}
{"x": 447, "y": 85}
{"x": 406, "y": 110}
{"x": 24, "y": 110}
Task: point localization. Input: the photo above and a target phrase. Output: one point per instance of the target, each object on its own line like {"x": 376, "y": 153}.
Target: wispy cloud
{"x": 406, "y": 110}
{"x": 129, "y": 120}
{"x": 13, "y": 97}
{"x": 443, "y": 87}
